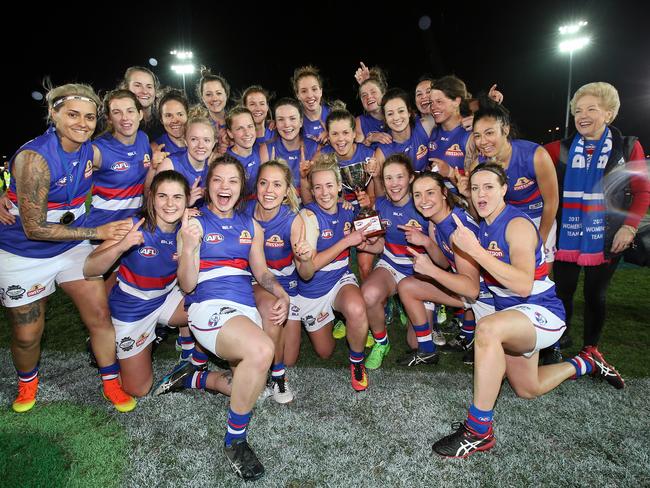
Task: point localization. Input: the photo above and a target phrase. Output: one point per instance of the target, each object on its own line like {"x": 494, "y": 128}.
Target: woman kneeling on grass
{"x": 216, "y": 253}
{"x": 333, "y": 286}
{"x": 146, "y": 292}
{"x": 528, "y": 316}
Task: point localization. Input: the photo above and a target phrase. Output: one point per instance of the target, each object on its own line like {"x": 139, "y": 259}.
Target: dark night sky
{"x": 509, "y": 43}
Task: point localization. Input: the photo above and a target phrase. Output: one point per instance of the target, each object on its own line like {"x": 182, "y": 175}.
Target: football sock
{"x": 381, "y": 338}
{"x": 356, "y": 357}
{"x": 197, "y": 380}
{"x": 187, "y": 345}
{"x": 467, "y": 330}
{"x": 28, "y": 376}
{"x": 110, "y": 372}
{"x": 278, "y": 370}
{"x": 480, "y": 421}
{"x": 583, "y": 366}
{"x": 425, "y": 341}
{"x": 199, "y": 359}
{"x": 236, "y": 426}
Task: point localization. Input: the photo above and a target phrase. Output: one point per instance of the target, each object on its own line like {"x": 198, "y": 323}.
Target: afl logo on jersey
{"x": 245, "y": 237}
{"x": 213, "y": 238}
{"x": 327, "y": 234}
{"x": 120, "y": 166}
{"x": 146, "y": 162}
{"x": 493, "y": 248}
{"x": 454, "y": 151}
{"x": 523, "y": 183}
{"x": 148, "y": 252}
{"x": 274, "y": 241}
{"x": 422, "y": 151}
{"x": 88, "y": 172}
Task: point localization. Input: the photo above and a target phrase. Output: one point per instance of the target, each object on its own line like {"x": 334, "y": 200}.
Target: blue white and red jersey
{"x": 395, "y": 243}
{"x": 224, "y": 272}
{"x": 147, "y": 274}
{"x": 369, "y": 124}
{"x": 181, "y": 163}
{"x": 251, "y": 164}
{"x": 362, "y": 154}
{"x": 332, "y": 228}
{"x": 523, "y": 190}
{"x": 449, "y": 146}
{"x": 118, "y": 185}
{"x": 312, "y": 129}
{"x": 277, "y": 150}
{"x": 493, "y": 239}
{"x": 443, "y": 233}
{"x": 277, "y": 246}
{"x": 70, "y": 181}
{"x": 415, "y": 147}
{"x": 170, "y": 145}
{"x": 269, "y": 135}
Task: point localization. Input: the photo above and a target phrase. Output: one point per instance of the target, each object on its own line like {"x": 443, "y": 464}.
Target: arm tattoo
{"x": 268, "y": 281}
{"x": 26, "y": 314}
{"x": 33, "y": 187}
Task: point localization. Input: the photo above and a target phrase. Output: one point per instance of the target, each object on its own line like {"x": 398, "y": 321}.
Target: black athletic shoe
{"x": 464, "y": 442}
{"x": 468, "y": 356}
{"x": 91, "y": 355}
{"x": 243, "y": 460}
{"x": 603, "y": 369}
{"x": 417, "y": 358}
{"x": 550, "y": 355}
{"x": 175, "y": 381}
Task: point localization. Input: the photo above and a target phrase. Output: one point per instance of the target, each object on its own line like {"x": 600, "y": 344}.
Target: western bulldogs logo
{"x": 148, "y": 252}
{"x": 541, "y": 320}
{"x": 433, "y": 146}
{"x": 213, "y": 238}
{"x": 120, "y": 166}
{"x": 217, "y": 319}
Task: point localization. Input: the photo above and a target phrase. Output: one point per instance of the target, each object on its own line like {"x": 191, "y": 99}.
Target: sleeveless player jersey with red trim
{"x": 70, "y": 182}
{"x": 147, "y": 274}
{"x": 415, "y": 147}
{"x": 224, "y": 272}
{"x": 443, "y": 233}
{"x": 493, "y": 239}
{"x": 277, "y": 150}
{"x": 449, "y": 146}
{"x": 251, "y": 164}
{"x": 277, "y": 246}
{"x": 332, "y": 228}
{"x": 118, "y": 185}
{"x": 170, "y": 146}
{"x": 391, "y": 216}
{"x": 312, "y": 129}
{"x": 523, "y": 190}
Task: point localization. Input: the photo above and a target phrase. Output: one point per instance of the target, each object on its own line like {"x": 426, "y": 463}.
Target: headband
{"x": 73, "y": 97}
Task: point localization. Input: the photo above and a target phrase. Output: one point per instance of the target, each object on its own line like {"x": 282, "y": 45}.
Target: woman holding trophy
{"x": 333, "y": 287}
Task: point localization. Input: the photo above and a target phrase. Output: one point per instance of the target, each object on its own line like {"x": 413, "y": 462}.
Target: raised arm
{"x": 189, "y": 245}
{"x": 522, "y": 240}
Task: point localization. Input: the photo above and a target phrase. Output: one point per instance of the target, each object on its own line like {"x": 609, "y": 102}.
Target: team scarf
{"x": 582, "y": 232}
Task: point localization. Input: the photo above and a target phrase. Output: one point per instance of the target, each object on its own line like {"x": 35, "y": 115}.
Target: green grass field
{"x": 583, "y": 433}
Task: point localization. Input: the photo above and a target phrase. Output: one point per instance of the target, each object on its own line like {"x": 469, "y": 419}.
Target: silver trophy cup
{"x": 355, "y": 177}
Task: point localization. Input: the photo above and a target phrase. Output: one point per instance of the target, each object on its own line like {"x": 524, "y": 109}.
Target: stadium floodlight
{"x": 186, "y": 67}
{"x": 570, "y": 43}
